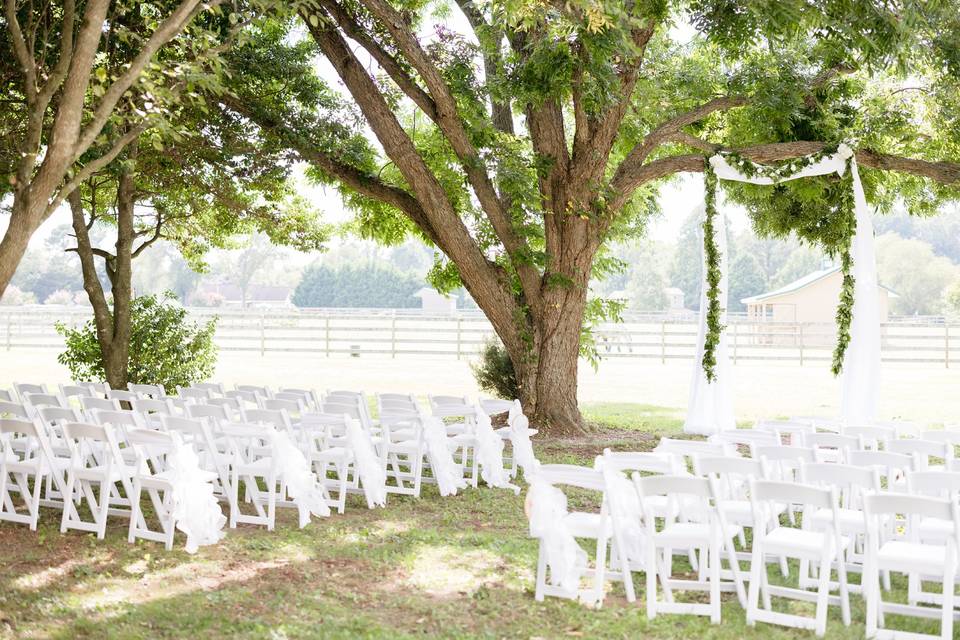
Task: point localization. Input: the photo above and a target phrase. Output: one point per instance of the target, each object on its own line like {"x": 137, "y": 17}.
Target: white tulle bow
{"x": 490, "y": 453}
{"x": 196, "y": 511}
{"x": 446, "y": 471}
{"x": 308, "y": 494}
{"x": 547, "y": 511}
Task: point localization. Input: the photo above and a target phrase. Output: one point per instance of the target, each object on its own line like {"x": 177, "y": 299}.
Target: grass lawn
{"x": 456, "y": 567}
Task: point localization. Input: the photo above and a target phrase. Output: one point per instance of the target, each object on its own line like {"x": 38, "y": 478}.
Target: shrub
{"x": 494, "y": 372}
{"x": 14, "y": 296}
{"x": 166, "y": 347}
{"x": 368, "y": 285}
{"x": 60, "y": 297}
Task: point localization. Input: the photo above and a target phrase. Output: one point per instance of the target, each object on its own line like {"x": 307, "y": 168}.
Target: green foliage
{"x": 494, "y": 372}
{"x": 365, "y": 285}
{"x": 952, "y": 298}
{"x": 166, "y": 347}
{"x": 712, "y": 259}
{"x": 915, "y": 273}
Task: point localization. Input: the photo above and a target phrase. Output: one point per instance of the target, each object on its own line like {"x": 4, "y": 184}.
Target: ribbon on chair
{"x": 196, "y": 511}
{"x": 373, "y": 477}
{"x": 445, "y": 470}
{"x": 520, "y": 433}
{"x": 547, "y": 511}
{"x": 308, "y": 494}
{"x": 489, "y": 453}
{"x": 625, "y": 507}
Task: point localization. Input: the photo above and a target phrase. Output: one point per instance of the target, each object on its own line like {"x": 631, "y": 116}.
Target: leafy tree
{"x": 918, "y": 276}
{"x": 84, "y": 92}
{"x": 612, "y": 103}
{"x": 43, "y": 271}
{"x": 646, "y": 284}
{"x": 952, "y": 297}
{"x": 166, "y": 348}
{"x": 368, "y": 285}
{"x": 686, "y": 269}
{"x": 746, "y": 278}
{"x": 195, "y": 190}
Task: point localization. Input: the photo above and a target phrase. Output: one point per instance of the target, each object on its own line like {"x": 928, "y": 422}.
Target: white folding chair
{"x": 17, "y": 465}
{"x": 97, "y": 389}
{"x": 214, "y": 456}
{"x": 154, "y": 391}
{"x": 91, "y": 404}
{"x": 732, "y": 477}
{"x": 70, "y": 391}
{"x": 927, "y": 454}
{"x": 936, "y": 484}
{"x": 6, "y": 396}
{"x": 122, "y": 395}
{"x": 193, "y": 394}
{"x": 892, "y": 467}
{"x": 258, "y": 391}
{"x": 851, "y": 484}
{"x": 807, "y": 545}
{"x": 14, "y": 410}
{"x": 23, "y": 388}
{"x": 151, "y": 409}
{"x": 95, "y": 464}
{"x": 790, "y": 430}
{"x": 37, "y": 400}
{"x": 577, "y": 524}
{"x": 214, "y": 388}
{"x": 151, "y": 448}
{"x": 706, "y": 534}
{"x": 832, "y": 447}
{"x": 252, "y": 458}
{"x": 215, "y": 415}
{"x": 910, "y": 556}
{"x": 310, "y": 398}
{"x": 871, "y": 437}
{"x": 749, "y": 438}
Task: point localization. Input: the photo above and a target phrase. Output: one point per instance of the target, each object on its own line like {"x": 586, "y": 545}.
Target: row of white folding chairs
{"x": 828, "y": 502}
{"x": 69, "y": 458}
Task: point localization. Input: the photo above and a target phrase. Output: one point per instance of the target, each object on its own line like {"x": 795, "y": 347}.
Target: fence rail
{"x": 404, "y": 332}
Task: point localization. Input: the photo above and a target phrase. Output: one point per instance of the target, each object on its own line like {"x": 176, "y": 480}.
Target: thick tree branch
{"x": 167, "y": 30}
{"x": 385, "y": 59}
{"x": 450, "y": 123}
{"x": 946, "y": 173}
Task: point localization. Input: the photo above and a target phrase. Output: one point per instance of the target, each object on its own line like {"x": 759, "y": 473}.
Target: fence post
{"x": 800, "y": 336}
{"x": 326, "y": 332}
{"x": 663, "y": 342}
{"x": 735, "y": 340}
{"x": 263, "y": 335}
{"x": 393, "y": 336}
{"x": 459, "y": 329}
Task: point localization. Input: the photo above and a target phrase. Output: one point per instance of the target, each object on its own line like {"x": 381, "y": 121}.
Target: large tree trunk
{"x": 12, "y": 248}
{"x": 113, "y": 327}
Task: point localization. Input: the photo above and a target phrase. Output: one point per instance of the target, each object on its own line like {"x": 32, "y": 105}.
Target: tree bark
{"x": 114, "y": 328}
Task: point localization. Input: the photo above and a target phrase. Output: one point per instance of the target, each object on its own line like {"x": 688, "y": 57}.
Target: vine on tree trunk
{"x": 837, "y": 245}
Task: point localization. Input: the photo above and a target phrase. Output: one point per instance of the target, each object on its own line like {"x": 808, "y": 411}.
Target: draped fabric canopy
{"x": 710, "y": 408}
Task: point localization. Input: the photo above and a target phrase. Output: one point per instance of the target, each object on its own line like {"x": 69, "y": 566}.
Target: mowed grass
{"x": 455, "y": 567}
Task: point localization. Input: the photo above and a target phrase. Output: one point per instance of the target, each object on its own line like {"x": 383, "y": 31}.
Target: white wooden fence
{"x": 403, "y": 333}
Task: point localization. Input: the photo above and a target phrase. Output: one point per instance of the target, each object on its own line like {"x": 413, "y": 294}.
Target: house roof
{"x": 796, "y": 285}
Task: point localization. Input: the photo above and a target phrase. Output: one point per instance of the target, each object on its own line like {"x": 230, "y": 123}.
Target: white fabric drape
{"x": 520, "y": 433}
{"x": 547, "y": 511}
{"x": 628, "y": 517}
{"x": 373, "y": 478}
{"x": 860, "y": 393}
{"x": 710, "y": 406}
{"x": 196, "y": 511}
{"x": 445, "y": 470}
{"x": 489, "y": 453}
{"x": 309, "y": 495}
{"x": 861, "y": 365}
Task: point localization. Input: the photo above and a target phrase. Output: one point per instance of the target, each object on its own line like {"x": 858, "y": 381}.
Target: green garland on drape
{"x": 711, "y": 252}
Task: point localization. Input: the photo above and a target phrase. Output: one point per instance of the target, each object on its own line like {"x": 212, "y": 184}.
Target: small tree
{"x": 166, "y": 348}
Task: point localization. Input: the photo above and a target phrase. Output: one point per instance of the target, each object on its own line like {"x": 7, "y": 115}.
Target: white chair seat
{"x": 97, "y": 473}
{"x": 583, "y": 524}
{"x": 899, "y": 555}
{"x": 851, "y": 520}
{"x": 935, "y": 529}
{"x": 682, "y": 534}
{"x": 740, "y": 512}
{"x": 332, "y": 454}
{"x": 797, "y": 543}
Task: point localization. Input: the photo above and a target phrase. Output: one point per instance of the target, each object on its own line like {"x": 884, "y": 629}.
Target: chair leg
{"x": 713, "y": 558}
{"x": 949, "y": 585}
{"x": 844, "y": 589}
{"x": 753, "y": 594}
{"x": 651, "y": 581}
{"x": 541, "y": 573}
{"x": 872, "y": 594}
{"x": 823, "y": 592}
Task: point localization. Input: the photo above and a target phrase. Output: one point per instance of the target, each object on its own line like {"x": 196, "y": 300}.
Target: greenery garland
{"x": 776, "y": 173}
{"x": 712, "y": 259}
